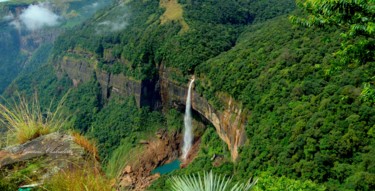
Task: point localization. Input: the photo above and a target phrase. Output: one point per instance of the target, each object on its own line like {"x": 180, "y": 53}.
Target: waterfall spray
{"x": 188, "y": 131}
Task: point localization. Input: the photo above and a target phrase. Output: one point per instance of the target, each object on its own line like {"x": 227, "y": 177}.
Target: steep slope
{"x": 307, "y": 121}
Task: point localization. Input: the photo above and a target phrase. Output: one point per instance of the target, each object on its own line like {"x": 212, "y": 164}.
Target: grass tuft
{"x": 25, "y": 119}
{"x": 89, "y": 146}
{"x": 82, "y": 179}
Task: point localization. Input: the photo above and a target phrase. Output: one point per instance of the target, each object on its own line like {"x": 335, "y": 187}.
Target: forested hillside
{"x": 310, "y": 118}
{"x": 29, "y": 28}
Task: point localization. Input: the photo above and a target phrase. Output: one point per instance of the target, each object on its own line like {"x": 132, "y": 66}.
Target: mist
{"x": 114, "y": 24}
{"x": 8, "y": 17}
{"x": 38, "y": 16}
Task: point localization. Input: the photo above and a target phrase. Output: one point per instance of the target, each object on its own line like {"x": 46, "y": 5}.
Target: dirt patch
{"x": 173, "y": 12}
{"x": 162, "y": 149}
{"x": 3, "y": 154}
{"x": 193, "y": 153}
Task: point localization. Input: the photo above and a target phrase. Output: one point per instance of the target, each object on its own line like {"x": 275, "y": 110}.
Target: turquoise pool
{"x": 167, "y": 168}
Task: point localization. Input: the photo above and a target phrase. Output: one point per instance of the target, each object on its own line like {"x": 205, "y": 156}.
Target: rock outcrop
{"x": 51, "y": 153}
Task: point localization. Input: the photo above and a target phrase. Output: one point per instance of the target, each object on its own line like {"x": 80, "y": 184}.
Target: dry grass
{"x": 173, "y": 12}
{"x": 89, "y": 146}
{"x": 83, "y": 179}
{"x": 25, "y": 119}
{"x": 124, "y": 155}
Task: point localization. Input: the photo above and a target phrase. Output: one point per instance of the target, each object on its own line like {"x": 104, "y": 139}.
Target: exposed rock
{"x": 52, "y": 153}
{"x": 82, "y": 66}
{"x": 193, "y": 153}
{"x": 126, "y": 181}
{"x": 229, "y": 123}
{"x": 128, "y": 169}
{"x": 217, "y": 160}
{"x": 137, "y": 176}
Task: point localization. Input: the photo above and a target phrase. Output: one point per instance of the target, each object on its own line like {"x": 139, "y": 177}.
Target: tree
{"x": 354, "y": 17}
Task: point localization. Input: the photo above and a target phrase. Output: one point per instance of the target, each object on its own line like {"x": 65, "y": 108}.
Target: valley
{"x": 271, "y": 96}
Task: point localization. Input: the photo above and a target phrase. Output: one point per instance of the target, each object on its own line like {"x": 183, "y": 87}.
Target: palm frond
{"x": 209, "y": 182}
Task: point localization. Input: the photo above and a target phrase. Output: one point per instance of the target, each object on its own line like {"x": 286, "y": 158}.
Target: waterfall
{"x": 188, "y": 130}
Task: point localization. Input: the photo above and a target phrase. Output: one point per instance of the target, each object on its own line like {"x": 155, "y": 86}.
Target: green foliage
{"x": 368, "y": 93}
{"x": 308, "y": 122}
{"x": 137, "y": 49}
{"x": 174, "y": 120}
{"x": 120, "y": 125}
{"x": 116, "y": 121}
{"x": 304, "y": 124}
{"x": 38, "y": 58}
{"x": 83, "y": 103}
{"x": 211, "y": 144}
{"x": 267, "y": 182}
{"x": 221, "y": 12}
{"x": 19, "y": 174}
{"x": 10, "y": 56}
{"x": 356, "y": 18}
{"x": 122, "y": 156}
{"x": 44, "y": 82}
{"x": 77, "y": 179}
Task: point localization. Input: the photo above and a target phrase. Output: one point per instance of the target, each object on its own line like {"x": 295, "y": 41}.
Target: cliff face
{"x": 229, "y": 123}
{"x": 83, "y": 68}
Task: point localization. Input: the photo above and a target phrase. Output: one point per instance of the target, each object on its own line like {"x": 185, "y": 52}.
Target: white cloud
{"x": 112, "y": 25}
{"x": 38, "y": 16}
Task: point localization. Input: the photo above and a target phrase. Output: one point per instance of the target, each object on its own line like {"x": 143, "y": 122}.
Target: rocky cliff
{"x": 81, "y": 67}
{"x": 229, "y": 123}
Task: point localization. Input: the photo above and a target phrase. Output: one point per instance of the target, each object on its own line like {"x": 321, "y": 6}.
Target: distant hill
{"x": 29, "y": 28}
